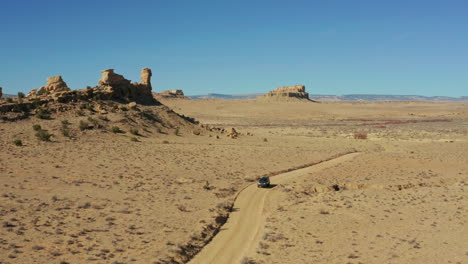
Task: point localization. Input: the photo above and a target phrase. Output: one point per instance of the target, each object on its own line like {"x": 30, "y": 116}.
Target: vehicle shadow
{"x": 271, "y": 186}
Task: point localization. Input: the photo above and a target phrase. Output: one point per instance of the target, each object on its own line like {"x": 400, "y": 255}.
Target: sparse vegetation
{"x": 177, "y": 132}
{"x": 83, "y": 125}
{"x": 18, "y": 142}
{"x": 9, "y": 100}
{"x": 134, "y": 139}
{"x": 42, "y": 113}
{"x": 265, "y": 140}
{"x": 36, "y": 127}
{"x": 103, "y": 118}
{"x": 165, "y": 142}
{"x": 116, "y": 129}
{"x": 43, "y": 135}
{"x": 20, "y": 95}
{"x": 134, "y": 132}
{"x": 207, "y": 186}
{"x": 95, "y": 122}
{"x": 80, "y": 112}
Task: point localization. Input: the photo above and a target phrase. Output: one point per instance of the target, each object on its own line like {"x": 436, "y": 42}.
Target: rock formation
{"x": 287, "y": 93}
{"x": 116, "y": 86}
{"x": 110, "y": 86}
{"x": 171, "y": 94}
{"x": 54, "y": 84}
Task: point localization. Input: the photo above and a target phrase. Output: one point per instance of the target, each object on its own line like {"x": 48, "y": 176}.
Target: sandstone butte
{"x": 171, "y": 94}
{"x": 287, "y": 93}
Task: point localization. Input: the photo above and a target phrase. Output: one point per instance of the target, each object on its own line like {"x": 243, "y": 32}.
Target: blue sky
{"x": 236, "y": 47}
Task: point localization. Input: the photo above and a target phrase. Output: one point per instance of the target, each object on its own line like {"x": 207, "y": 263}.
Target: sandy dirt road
{"x": 243, "y": 229}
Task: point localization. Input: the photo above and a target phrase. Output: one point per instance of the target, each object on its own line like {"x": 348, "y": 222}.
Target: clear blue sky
{"x": 236, "y": 47}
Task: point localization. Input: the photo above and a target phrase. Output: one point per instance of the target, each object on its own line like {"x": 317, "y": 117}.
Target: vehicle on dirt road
{"x": 263, "y": 182}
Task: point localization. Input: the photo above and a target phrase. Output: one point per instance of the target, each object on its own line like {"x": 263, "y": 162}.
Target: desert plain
{"x": 352, "y": 182}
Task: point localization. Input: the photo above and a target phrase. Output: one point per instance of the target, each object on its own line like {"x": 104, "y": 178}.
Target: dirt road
{"x": 242, "y": 231}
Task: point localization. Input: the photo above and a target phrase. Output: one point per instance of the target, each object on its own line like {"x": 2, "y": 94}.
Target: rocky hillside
{"x": 115, "y": 104}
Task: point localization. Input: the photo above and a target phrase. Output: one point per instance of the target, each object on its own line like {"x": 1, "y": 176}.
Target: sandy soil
{"x": 102, "y": 198}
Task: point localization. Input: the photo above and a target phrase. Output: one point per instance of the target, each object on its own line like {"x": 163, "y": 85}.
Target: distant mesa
{"x": 287, "y": 93}
{"x": 170, "y": 94}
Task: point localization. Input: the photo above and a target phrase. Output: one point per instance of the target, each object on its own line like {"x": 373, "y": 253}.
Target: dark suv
{"x": 263, "y": 182}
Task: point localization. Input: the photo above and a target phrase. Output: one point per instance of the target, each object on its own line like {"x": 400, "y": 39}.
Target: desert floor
{"x": 102, "y": 198}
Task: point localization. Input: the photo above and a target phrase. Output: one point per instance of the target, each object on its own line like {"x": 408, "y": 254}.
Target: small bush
{"x": 43, "y": 135}
{"x": 265, "y": 140}
{"x": 42, "y": 113}
{"x": 66, "y": 132}
{"x": 80, "y": 112}
{"x": 207, "y": 186}
{"x": 9, "y": 100}
{"x": 361, "y": 135}
{"x": 165, "y": 142}
{"x": 20, "y": 95}
{"x": 93, "y": 121}
{"x": 177, "y": 132}
{"x": 37, "y": 127}
{"x": 159, "y": 130}
{"x": 123, "y": 108}
{"x": 103, "y": 118}
{"x": 83, "y": 125}
{"x": 116, "y": 129}
{"x": 90, "y": 108}
{"x": 65, "y": 123}
{"x": 18, "y": 142}
{"x": 134, "y": 139}
{"x": 134, "y": 132}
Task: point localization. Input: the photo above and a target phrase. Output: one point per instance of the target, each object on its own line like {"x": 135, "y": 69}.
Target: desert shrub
{"x": 66, "y": 132}
{"x": 95, "y": 122}
{"x": 97, "y": 97}
{"x": 247, "y": 260}
{"x": 18, "y": 142}
{"x": 165, "y": 142}
{"x": 90, "y": 108}
{"x": 42, "y": 113}
{"x": 83, "y": 125}
{"x": 43, "y": 135}
{"x": 123, "y": 108}
{"x": 103, "y": 118}
{"x": 159, "y": 130}
{"x": 116, "y": 129}
{"x": 265, "y": 140}
{"x": 134, "y": 139}
{"x": 65, "y": 123}
{"x": 177, "y": 132}
{"x": 37, "y": 127}
{"x": 207, "y": 186}
{"x": 9, "y": 100}
{"x": 134, "y": 132}
{"x": 80, "y": 112}
{"x": 360, "y": 135}
{"x": 20, "y": 95}
{"x": 41, "y": 92}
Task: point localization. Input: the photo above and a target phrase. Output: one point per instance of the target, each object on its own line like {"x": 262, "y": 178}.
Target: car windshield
{"x": 263, "y": 180}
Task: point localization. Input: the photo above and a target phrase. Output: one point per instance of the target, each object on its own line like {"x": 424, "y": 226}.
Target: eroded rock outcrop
{"x": 54, "y": 84}
{"x": 110, "y": 86}
{"x": 286, "y": 93}
{"x": 171, "y": 94}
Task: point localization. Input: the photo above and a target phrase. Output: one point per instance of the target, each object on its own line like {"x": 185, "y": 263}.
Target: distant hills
{"x": 332, "y": 98}
{"x": 346, "y": 97}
